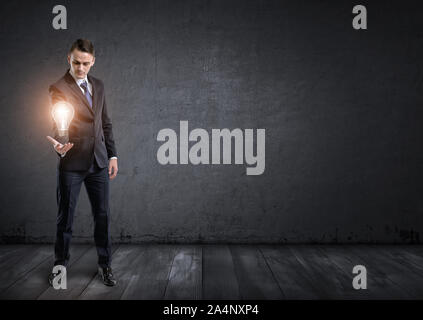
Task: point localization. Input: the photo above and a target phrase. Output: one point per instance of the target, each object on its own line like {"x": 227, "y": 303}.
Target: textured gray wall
{"x": 342, "y": 111}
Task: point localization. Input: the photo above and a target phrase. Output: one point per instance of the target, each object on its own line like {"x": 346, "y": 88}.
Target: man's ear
{"x": 69, "y": 59}
{"x": 93, "y": 61}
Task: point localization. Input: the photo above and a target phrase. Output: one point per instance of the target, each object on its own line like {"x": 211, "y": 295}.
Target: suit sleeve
{"x": 108, "y": 132}
{"x": 55, "y": 96}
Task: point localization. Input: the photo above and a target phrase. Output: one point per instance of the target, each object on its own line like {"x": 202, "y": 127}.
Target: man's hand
{"x": 60, "y": 148}
{"x": 113, "y": 168}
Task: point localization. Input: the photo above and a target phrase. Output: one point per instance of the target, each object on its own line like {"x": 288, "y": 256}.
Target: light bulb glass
{"x": 62, "y": 113}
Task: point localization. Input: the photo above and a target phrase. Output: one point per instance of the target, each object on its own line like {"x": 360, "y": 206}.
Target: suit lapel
{"x": 94, "y": 93}
{"x": 75, "y": 89}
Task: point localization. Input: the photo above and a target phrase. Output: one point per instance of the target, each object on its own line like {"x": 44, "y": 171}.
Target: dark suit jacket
{"x": 90, "y": 129}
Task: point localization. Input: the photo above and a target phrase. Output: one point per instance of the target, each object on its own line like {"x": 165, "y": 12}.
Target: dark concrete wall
{"x": 342, "y": 111}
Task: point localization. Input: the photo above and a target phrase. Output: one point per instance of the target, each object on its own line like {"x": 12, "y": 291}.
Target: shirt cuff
{"x": 61, "y": 155}
{"x": 112, "y": 158}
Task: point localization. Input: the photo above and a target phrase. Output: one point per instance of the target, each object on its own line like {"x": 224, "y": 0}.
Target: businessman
{"x": 89, "y": 157}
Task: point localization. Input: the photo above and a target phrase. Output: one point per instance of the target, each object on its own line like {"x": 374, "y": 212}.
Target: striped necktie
{"x": 84, "y": 86}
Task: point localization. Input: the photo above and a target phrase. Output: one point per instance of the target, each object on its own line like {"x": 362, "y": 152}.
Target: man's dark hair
{"x": 83, "y": 45}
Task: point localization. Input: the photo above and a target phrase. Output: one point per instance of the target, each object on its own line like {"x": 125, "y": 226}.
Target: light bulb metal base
{"x": 63, "y": 136}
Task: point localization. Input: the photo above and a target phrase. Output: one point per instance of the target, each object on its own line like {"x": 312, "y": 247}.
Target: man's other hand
{"x": 60, "y": 148}
{"x": 113, "y": 168}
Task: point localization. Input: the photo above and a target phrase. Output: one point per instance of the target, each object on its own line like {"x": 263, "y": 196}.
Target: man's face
{"x": 80, "y": 63}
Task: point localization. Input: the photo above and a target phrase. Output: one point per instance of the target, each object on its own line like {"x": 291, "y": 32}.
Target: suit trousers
{"x": 69, "y": 183}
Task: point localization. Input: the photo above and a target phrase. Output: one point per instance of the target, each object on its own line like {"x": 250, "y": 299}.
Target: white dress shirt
{"x": 90, "y": 90}
{"x": 80, "y": 81}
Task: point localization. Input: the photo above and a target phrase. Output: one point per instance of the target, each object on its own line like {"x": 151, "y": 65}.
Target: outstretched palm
{"x": 60, "y": 148}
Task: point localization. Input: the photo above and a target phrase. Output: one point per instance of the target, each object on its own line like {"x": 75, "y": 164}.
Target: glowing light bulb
{"x": 62, "y": 113}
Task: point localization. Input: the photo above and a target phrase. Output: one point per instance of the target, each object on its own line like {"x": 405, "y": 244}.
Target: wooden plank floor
{"x": 179, "y": 272}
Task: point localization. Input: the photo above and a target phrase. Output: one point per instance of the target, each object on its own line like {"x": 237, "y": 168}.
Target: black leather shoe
{"x": 107, "y": 276}
{"x": 50, "y": 278}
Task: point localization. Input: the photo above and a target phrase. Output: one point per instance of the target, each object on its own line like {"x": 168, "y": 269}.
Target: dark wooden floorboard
{"x": 125, "y": 257}
{"x": 180, "y": 272}
{"x": 219, "y": 279}
{"x": 415, "y": 250}
{"x": 10, "y": 255}
{"x": 19, "y": 263}
{"x": 341, "y": 259}
{"x": 289, "y": 273}
{"x": 328, "y": 279}
{"x": 6, "y": 251}
{"x": 80, "y": 273}
{"x": 254, "y": 276}
{"x": 407, "y": 256}
{"x": 400, "y": 271}
{"x": 412, "y": 256}
{"x": 185, "y": 279}
{"x": 379, "y": 286}
{"x": 34, "y": 282}
{"x": 150, "y": 273}
{"x": 395, "y": 277}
